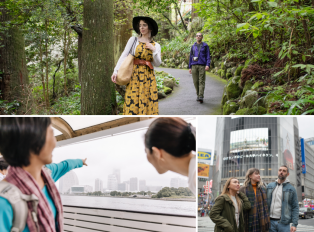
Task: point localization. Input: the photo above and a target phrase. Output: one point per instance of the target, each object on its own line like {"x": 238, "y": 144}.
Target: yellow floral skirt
{"x": 141, "y": 97}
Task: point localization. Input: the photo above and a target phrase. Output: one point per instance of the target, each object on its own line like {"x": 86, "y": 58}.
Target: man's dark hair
{"x": 20, "y": 136}
{"x": 285, "y": 166}
{"x": 3, "y": 165}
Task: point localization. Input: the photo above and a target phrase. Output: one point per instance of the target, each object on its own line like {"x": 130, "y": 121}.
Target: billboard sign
{"x": 203, "y": 170}
{"x": 303, "y": 156}
{"x": 204, "y": 155}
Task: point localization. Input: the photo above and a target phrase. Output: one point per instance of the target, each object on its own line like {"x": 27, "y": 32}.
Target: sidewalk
{"x": 205, "y": 224}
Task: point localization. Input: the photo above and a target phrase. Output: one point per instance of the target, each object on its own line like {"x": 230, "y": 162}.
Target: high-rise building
{"x": 142, "y": 185}
{"x": 124, "y": 187}
{"x": 116, "y": 172}
{"x": 308, "y": 172}
{"x": 265, "y": 143}
{"x": 81, "y": 189}
{"x": 178, "y": 182}
{"x": 99, "y": 185}
{"x": 67, "y": 181}
{"x": 112, "y": 183}
{"x": 134, "y": 184}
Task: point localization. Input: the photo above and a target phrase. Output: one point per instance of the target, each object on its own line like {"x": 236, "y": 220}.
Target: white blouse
{"x": 156, "y": 54}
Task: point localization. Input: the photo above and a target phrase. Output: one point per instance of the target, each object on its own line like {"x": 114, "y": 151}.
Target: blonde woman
{"x": 256, "y": 219}
{"x": 227, "y": 212}
{"x": 141, "y": 97}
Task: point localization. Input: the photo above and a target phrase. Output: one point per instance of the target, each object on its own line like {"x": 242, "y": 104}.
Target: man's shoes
{"x": 201, "y": 100}
{"x": 197, "y": 99}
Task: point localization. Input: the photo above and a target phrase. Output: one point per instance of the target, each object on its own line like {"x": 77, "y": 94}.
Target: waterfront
{"x": 142, "y": 205}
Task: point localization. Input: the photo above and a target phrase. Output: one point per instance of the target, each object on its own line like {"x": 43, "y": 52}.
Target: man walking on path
{"x": 198, "y": 64}
{"x": 282, "y": 203}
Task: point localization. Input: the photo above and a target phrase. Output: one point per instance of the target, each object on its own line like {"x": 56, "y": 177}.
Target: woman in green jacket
{"x": 227, "y": 212}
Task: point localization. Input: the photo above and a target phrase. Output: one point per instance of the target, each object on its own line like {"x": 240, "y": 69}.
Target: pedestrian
{"x": 257, "y": 218}
{"x": 3, "y": 168}
{"x": 170, "y": 145}
{"x": 282, "y": 203}
{"x": 27, "y": 145}
{"x": 203, "y": 212}
{"x": 198, "y": 64}
{"x": 141, "y": 96}
{"x": 227, "y": 212}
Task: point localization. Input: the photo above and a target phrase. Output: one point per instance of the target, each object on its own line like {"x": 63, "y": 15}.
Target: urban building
{"x": 124, "y": 187}
{"x": 67, "y": 181}
{"x": 133, "y": 184}
{"x": 112, "y": 183}
{"x": 142, "y": 185}
{"x": 178, "y": 182}
{"x": 308, "y": 172}
{"x": 265, "y": 143}
{"x": 81, "y": 189}
{"x": 99, "y": 185}
{"x": 117, "y": 173}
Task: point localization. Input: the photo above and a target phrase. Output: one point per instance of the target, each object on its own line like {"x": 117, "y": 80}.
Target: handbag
{"x": 126, "y": 69}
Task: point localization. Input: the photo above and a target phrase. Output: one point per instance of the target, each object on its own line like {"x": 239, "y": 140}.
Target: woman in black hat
{"x": 141, "y": 97}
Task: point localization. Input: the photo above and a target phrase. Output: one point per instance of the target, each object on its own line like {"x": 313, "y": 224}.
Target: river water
{"x": 146, "y": 205}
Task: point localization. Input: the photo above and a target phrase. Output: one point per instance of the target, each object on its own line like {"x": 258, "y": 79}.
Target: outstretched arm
{"x": 60, "y": 169}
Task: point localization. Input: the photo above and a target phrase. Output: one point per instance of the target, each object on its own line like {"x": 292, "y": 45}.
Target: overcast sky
{"x": 207, "y": 130}
{"x": 125, "y": 152}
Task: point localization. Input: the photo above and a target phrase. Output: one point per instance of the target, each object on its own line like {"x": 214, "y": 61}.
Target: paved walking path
{"x": 206, "y": 225}
{"x": 182, "y": 101}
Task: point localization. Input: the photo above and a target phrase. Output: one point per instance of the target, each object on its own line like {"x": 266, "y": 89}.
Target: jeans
{"x": 275, "y": 226}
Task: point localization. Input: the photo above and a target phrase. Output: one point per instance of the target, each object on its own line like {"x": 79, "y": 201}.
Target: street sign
{"x": 208, "y": 186}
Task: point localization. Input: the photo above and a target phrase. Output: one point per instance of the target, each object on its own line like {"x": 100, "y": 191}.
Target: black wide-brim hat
{"x": 153, "y": 23}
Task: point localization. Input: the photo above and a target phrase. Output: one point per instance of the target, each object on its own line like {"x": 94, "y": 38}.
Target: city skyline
{"x": 125, "y": 152}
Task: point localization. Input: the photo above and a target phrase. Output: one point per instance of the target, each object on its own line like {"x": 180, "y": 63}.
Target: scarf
{"x": 27, "y": 184}
{"x": 257, "y": 219}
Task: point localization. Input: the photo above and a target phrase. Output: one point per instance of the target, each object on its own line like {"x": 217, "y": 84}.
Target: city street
{"x": 206, "y": 225}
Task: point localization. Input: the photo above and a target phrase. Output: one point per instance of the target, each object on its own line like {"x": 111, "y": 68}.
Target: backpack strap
{"x": 18, "y": 201}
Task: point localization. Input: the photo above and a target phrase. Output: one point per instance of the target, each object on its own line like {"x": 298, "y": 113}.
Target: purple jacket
{"x": 203, "y": 58}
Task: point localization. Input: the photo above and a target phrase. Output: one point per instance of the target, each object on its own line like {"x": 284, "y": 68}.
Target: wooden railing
{"x": 84, "y": 219}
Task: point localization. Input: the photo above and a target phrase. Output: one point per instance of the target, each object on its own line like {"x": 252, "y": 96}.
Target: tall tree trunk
{"x": 165, "y": 30}
{"x": 194, "y": 15}
{"x": 65, "y": 59}
{"x": 98, "y": 91}
{"x": 47, "y": 65}
{"x": 13, "y": 72}
{"x": 42, "y": 70}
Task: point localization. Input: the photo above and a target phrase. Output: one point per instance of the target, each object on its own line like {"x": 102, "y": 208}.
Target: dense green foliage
{"x": 168, "y": 192}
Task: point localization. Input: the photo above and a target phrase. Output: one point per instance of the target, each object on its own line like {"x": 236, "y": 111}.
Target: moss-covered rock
{"x": 228, "y": 75}
{"x": 167, "y": 90}
{"x": 161, "y": 95}
{"x": 169, "y": 82}
{"x": 257, "y": 85}
{"x": 256, "y": 110}
{"x": 233, "y": 90}
{"x": 238, "y": 70}
{"x": 249, "y": 99}
{"x": 223, "y": 74}
{"x": 223, "y": 65}
{"x": 269, "y": 99}
{"x": 233, "y": 71}
{"x": 248, "y": 85}
{"x": 230, "y": 107}
{"x": 224, "y": 99}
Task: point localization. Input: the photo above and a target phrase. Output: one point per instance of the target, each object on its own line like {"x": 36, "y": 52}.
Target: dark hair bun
{"x": 173, "y": 135}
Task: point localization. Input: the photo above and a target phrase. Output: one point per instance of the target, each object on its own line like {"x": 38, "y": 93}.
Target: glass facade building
{"x": 265, "y": 143}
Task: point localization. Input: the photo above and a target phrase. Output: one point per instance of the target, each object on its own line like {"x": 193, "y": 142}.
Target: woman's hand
{"x": 114, "y": 78}
{"x": 150, "y": 46}
{"x": 84, "y": 162}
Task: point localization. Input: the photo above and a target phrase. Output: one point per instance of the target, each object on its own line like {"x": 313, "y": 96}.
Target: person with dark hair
{"x": 282, "y": 201}
{"x": 3, "y": 168}
{"x": 27, "y": 145}
{"x": 169, "y": 145}
{"x": 256, "y": 219}
{"x": 141, "y": 96}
